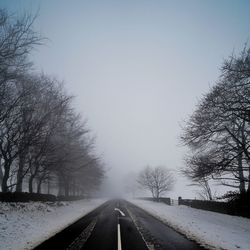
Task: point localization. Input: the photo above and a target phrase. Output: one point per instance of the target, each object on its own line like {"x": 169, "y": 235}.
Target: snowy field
{"x": 213, "y": 230}
{"x": 25, "y": 225}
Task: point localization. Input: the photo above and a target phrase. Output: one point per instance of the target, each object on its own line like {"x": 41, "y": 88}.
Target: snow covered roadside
{"x": 25, "y": 225}
{"x": 218, "y": 231}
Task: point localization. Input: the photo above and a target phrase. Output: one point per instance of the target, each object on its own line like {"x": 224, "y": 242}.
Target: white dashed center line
{"x": 119, "y": 237}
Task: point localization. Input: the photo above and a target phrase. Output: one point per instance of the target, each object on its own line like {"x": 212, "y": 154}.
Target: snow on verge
{"x": 218, "y": 231}
{"x": 25, "y": 225}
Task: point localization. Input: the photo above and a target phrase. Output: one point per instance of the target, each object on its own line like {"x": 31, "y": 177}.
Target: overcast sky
{"x": 137, "y": 69}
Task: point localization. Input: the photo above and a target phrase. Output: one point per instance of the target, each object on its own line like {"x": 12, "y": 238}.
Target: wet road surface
{"x": 118, "y": 225}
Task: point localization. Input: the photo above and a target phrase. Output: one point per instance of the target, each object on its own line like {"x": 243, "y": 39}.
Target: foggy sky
{"x": 137, "y": 69}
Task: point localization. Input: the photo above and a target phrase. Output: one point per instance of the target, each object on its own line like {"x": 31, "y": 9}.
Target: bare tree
{"x": 218, "y": 131}
{"x": 42, "y": 139}
{"x": 45, "y": 107}
{"x": 157, "y": 180}
{"x": 17, "y": 38}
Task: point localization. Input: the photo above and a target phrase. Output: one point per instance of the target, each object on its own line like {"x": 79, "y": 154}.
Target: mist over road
{"x": 118, "y": 225}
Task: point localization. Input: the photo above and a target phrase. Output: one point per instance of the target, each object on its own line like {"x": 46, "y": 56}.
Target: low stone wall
{"x": 161, "y": 199}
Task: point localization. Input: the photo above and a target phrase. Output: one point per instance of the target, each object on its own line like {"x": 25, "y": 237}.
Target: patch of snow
{"x": 26, "y": 225}
{"x": 213, "y": 230}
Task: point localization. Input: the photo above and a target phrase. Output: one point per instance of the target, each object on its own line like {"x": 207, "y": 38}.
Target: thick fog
{"x": 137, "y": 70}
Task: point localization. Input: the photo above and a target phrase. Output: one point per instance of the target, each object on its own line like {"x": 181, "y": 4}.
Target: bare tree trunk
{"x": 241, "y": 174}
{"x": 60, "y": 185}
{"x": 31, "y": 183}
{"x": 20, "y": 175}
{"x": 66, "y": 186}
{"x": 4, "y": 183}
{"x": 6, "y": 176}
{"x": 48, "y": 183}
{"x": 74, "y": 188}
{"x": 157, "y": 194}
{"x": 39, "y": 185}
{"x": 207, "y": 189}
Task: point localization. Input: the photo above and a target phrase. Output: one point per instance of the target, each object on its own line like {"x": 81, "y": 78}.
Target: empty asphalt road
{"x": 118, "y": 225}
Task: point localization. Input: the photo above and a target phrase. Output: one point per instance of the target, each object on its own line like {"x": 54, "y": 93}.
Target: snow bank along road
{"x": 213, "y": 230}
{"x": 118, "y": 225}
{"x": 25, "y": 225}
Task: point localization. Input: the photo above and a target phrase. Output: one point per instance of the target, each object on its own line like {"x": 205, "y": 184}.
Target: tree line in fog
{"x": 45, "y": 146}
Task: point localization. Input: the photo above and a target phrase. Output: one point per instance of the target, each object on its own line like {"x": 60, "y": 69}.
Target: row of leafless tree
{"x": 218, "y": 132}
{"x": 42, "y": 139}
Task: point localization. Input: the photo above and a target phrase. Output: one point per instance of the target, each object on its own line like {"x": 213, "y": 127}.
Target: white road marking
{"x": 119, "y": 237}
{"x": 117, "y": 209}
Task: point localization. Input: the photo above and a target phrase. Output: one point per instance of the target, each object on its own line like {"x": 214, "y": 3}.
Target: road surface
{"x": 118, "y": 225}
